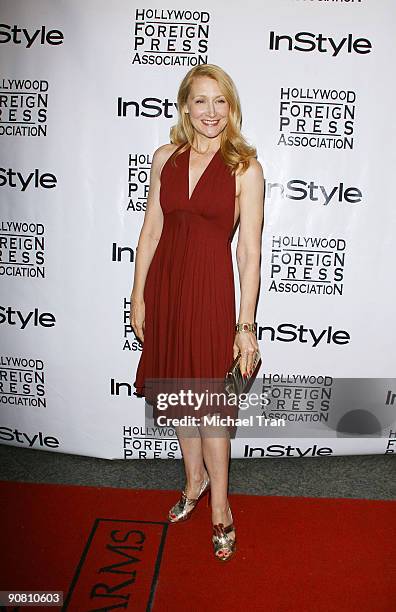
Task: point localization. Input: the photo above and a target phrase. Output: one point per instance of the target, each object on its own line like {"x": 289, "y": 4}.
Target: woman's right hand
{"x": 137, "y": 316}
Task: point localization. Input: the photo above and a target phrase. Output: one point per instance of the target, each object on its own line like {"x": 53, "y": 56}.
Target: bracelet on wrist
{"x": 244, "y": 327}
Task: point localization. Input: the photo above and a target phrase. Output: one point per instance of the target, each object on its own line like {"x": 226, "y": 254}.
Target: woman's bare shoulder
{"x": 254, "y": 171}
{"x": 162, "y": 154}
{"x": 253, "y": 175}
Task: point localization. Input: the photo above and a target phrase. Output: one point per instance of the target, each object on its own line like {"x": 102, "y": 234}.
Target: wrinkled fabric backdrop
{"x": 88, "y": 92}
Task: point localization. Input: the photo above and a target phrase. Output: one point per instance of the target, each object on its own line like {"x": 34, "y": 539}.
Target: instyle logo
{"x": 21, "y": 36}
{"x": 21, "y": 181}
{"x": 300, "y": 190}
{"x": 310, "y": 41}
{"x": 32, "y": 440}
{"x": 390, "y": 398}
{"x": 280, "y": 450}
{"x": 147, "y": 107}
{"x": 34, "y": 318}
{"x": 168, "y": 37}
{"x": 24, "y": 107}
{"x": 117, "y": 253}
{"x": 290, "y": 332}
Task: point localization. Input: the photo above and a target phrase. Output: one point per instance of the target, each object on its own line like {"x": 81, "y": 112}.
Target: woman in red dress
{"x": 183, "y": 298}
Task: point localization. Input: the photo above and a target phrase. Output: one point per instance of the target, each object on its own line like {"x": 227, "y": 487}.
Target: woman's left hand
{"x": 245, "y": 343}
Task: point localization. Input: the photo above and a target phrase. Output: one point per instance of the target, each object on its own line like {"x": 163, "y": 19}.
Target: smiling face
{"x": 207, "y": 107}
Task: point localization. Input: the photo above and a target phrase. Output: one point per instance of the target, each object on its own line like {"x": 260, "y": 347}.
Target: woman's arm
{"x": 148, "y": 239}
{"x": 248, "y": 254}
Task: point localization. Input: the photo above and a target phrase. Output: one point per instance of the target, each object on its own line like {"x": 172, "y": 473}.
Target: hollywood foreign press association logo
{"x": 297, "y": 398}
{"x": 307, "y": 265}
{"x": 150, "y": 442}
{"x": 139, "y": 167}
{"x": 23, "y": 249}
{"x": 317, "y": 118}
{"x": 170, "y": 37}
{"x": 24, "y": 107}
{"x": 23, "y": 382}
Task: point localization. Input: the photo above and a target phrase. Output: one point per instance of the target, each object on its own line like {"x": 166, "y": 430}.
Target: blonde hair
{"x": 235, "y": 150}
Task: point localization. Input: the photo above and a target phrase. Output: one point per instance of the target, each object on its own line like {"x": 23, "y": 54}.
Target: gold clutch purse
{"x": 234, "y": 382}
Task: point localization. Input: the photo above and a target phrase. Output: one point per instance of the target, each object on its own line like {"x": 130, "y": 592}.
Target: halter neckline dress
{"x": 189, "y": 292}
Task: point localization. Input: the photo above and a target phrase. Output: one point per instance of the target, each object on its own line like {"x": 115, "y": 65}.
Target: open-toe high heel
{"x": 224, "y": 546}
{"x": 182, "y": 510}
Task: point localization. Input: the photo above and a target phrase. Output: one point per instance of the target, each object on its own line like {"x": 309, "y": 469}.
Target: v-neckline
{"x": 189, "y": 197}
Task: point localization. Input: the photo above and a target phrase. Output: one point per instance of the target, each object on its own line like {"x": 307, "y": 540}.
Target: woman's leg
{"x": 216, "y": 452}
{"x": 194, "y": 466}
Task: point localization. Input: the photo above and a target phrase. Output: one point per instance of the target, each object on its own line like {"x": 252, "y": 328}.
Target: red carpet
{"x": 109, "y": 549}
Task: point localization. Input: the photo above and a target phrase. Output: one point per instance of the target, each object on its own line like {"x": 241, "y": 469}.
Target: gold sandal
{"x": 222, "y": 542}
{"x": 182, "y": 510}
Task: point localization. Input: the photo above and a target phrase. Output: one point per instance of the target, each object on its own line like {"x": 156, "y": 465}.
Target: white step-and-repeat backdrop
{"x": 88, "y": 92}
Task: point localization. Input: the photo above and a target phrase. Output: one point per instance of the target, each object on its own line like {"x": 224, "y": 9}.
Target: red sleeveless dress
{"x": 189, "y": 291}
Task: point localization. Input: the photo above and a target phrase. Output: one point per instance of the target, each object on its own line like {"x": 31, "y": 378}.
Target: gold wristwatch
{"x": 252, "y": 327}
